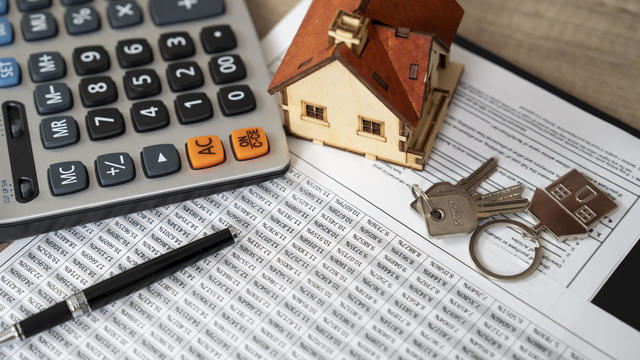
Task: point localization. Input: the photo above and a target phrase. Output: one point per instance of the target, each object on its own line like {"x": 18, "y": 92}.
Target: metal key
{"x": 454, "y": 209}
{"x": 456, "y": 212}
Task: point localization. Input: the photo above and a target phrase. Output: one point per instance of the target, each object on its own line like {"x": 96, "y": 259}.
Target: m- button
{"x": 67, "y": 178}
{"x": 205, "y": 152}
{"x": 249, "y": 143}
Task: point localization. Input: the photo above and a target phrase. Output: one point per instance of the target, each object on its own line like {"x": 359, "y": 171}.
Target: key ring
{"x": 528, "y": 233}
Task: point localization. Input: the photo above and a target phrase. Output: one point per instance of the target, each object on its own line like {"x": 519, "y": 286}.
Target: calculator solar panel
{"x": 111, "y": 107}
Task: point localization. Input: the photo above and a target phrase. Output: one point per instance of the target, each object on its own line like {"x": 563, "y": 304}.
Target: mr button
{"x": 67, "y": 178}
{"x": 205, "y": 152}
{"x": 249, "y": 143}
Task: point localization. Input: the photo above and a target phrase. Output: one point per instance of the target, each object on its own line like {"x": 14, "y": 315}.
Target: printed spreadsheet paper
{"x": 332, "y": 264}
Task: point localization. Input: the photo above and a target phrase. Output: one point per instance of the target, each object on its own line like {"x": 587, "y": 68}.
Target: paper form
{"x": 319, "y": 273}
{"x": 330, "y": 266}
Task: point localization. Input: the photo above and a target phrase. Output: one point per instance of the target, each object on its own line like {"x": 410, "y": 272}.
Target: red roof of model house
{"x": 385, "y": 64}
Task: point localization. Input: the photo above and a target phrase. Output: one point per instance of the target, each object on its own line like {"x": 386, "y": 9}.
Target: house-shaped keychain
{"x": 371, "y": 76}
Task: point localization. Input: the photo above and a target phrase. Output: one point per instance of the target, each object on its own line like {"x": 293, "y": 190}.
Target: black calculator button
{"x": 52, "y": 98}
{"x": 227, "y": 68}
{"x": 160, "y": 160}
{"x": 139, "y": 84}
{"x": 67, "y": 178}
{"x": 134, "y": 52}
{"x": 164, "y": 12}
{"x": 47, "y": 66}
{"x": 33, "y": 5}
{"x": 193, "y": 107}
{"x": 74, "y": 2}
{"x": 114, "y": 169}
{"x": 218, "y": 38}
{"x": 236, "y": 100}
{"x": 81, "y": 20}
{"x": 91, "y": 60}
{"x": 176, "y": 46}
{"x": 149, "y": 115}
{"x": 38, "y": 26}
{"x": 122, "y": 14}
{"x": 59, "y": 131}
{"x": 98, "y": 90}
{"x": 104, "y": 123}
{"x": 184, "y": 76}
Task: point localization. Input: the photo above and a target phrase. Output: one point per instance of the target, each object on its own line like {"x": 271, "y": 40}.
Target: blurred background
{"x": 588, "y": 48}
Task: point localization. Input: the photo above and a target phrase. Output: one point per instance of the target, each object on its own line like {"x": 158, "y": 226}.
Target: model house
{"x": 371, "y": 76}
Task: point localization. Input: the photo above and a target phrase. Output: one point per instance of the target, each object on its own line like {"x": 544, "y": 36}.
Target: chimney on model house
{"x": 350, "y": 29}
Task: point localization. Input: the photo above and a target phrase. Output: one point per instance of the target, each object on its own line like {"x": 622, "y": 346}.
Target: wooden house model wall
{"x": 371, "y": 76}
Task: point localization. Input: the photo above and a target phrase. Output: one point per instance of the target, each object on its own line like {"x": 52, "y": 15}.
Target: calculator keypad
{"x": 114, "y": 169}
{"x": 160, "y": 160}
{"x": 81, "y": 20}
{"x": 9, "y": 72}
{"x": 6, "y": 32}
{"x": 134, "y": 52}
{"x": 90, "y": 60}
{"x": 193, "y": 107}
{"x": 47, "y": 66}
{"x": 204, "y": 152}
{"x": 90, "y": 81}
{"x": 98, "y": 91}
{"x": 218, "y": 38}
{"x": 236, "y": 100}
{"x": 227, "y": 69}
{"x": 52, "y": 98}
{"x": 66, "y": 178}
{"x": 149, "y": 115}
{"x": 122, "y": 14}
{"x": 165, "y": 12}
{"x": 104, "y": 123}
{"x": 176, "y": 46}
{"x": 184, "y": 76}
{"x": 59, "y": 131}
{"x": 249, "y": 143}
{"x": 33, "y": 5}
{"x": 140, "y": 84}
{"x": 38, "y": 26}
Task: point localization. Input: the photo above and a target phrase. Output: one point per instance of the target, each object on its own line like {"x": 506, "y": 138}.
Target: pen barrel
{"x": 140, "y": 276}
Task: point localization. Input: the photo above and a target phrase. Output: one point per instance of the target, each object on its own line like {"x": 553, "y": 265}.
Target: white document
{"x": 332, "y": 263}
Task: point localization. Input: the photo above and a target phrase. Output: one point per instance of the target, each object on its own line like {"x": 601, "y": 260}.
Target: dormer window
{"x": 350, "y": 29}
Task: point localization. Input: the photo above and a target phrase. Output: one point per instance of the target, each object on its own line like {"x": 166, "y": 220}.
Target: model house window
{"x": 314, "y": 113}
{"x": 370, "y": 127}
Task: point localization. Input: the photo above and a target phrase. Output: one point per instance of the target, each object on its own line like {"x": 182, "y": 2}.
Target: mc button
{"x": 205, "y": 152}
{"x": 249, "y": 143}
{"x": 67, "y": 178}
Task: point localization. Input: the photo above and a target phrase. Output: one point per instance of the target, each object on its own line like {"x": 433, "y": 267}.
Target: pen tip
{"x": 9, "y": 335}
{"x": 235, "y": 232}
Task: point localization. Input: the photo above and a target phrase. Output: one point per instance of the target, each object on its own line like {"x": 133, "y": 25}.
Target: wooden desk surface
{"x": 588, "y": 48}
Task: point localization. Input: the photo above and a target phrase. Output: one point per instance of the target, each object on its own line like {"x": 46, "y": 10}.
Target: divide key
{"x": 164, "y": 12}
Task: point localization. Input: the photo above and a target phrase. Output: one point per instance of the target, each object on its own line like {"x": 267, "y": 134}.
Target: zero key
{"x": 249, "y": 143}
{"x": 165, "y": 12}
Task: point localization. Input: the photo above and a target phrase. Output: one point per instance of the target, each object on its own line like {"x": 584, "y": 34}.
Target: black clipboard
{"x": 613, "y": 297}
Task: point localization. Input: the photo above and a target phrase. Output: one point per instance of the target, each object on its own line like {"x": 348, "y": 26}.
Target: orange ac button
{"x": 205, "y": 151}
{"x": 249, "y": 143}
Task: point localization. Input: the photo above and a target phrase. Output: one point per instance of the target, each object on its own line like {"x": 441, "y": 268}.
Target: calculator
{"x": 113, "y": 107}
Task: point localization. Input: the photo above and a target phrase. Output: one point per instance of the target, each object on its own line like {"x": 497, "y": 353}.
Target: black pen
{"x": 119, "y": 286}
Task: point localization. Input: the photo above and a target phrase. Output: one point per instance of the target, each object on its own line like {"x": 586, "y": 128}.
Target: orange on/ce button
{"x": 249, "y": 143}
{"x": 204, "y": 152}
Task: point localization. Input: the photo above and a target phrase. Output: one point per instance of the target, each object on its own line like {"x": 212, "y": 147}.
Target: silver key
{"x": 454, "y": 209}
{"x": 456, "y": 212}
